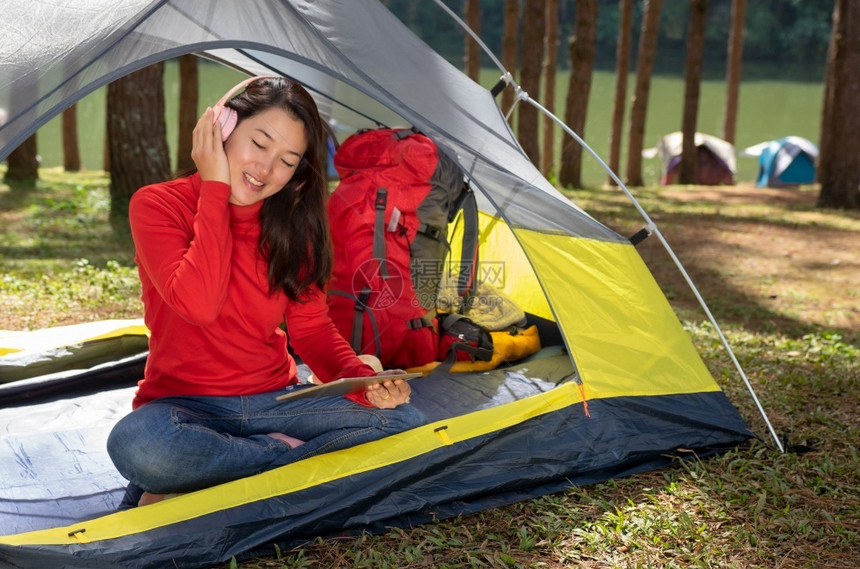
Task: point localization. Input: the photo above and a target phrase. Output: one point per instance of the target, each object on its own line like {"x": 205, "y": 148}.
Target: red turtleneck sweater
{"x": 215, "y": 327}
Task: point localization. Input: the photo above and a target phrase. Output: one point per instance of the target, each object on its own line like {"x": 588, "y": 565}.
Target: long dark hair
{"x": 295, "y": 239}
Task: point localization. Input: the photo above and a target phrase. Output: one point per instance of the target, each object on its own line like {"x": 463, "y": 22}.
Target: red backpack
{"x": 389, "y": 217}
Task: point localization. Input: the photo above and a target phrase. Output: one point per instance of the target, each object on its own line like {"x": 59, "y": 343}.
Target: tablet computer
{"x": 343, "y": 386}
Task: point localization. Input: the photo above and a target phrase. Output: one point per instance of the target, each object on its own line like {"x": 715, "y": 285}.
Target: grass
{"x": 783, "y": 281}
{"x": 61, "y": 263}
{"x": 765, "y": 113}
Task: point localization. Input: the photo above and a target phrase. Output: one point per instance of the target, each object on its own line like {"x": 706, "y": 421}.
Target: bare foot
{"x": 148, "y": 498}
{"x": 292, "y": 441}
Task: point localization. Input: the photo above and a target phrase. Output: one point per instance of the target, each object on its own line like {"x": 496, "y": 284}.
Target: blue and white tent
{"x": 785, "y": 162}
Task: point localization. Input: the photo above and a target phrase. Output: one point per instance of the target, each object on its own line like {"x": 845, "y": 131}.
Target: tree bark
{"x": 582, "y": 65}
{"x": 136, "y": 137}
{"x": 473, "y": 50}
{"x": 622, "y": 69}
{"x": 733, "y": 71}
{"x": 530, "y": 68}
{"x": 839, "y": 168}
{"x": 188, "y": 102}
{"x": 639, "y": 108}
{"x": 692, "y": 88}
{"x": 22, "y": 164}
{"x": 550, "y": 64}
{"x": 71, "y": 150}
{"x": 826, "y": 135}
{"x": 509, "y": 48}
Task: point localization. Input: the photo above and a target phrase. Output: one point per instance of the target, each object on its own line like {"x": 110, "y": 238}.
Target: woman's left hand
{"x": 389, "y": 394}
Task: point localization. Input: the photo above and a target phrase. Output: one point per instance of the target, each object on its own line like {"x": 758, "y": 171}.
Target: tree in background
{"x": 785, "y": 35}
{"x": 71, "y": 150}
{"x": 644, "y": 68}
{"x": 531, "y": 57}
{"x": 733, "y": 69}
{"x": 509, "y": 48}
{"x": 582, "y": 66}
{"x": 472, "y": 49}
{"x": 839, "y": 167}
{"x": 136, "y": 137}
{"x": 23, "y": 162}
{"x": 188, "y": 102}
{"x": 622, "y": 65}
{"x": 550, "y": 65}
{"x": 692, "y": 87}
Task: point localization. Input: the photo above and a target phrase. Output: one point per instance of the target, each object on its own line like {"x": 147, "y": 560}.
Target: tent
{"x": 618, "y": 387}
{"x": 715, "y": 163}
{"x": 785, "y": 162}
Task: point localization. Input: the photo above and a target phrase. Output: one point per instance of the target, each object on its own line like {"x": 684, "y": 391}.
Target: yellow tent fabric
{"x": 634, "y": 347}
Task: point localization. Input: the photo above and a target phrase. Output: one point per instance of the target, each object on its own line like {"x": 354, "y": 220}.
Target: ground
{"x": 780, "y": 262}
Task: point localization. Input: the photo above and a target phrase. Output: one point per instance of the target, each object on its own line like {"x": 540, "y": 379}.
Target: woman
{"x": 226, "y": 256}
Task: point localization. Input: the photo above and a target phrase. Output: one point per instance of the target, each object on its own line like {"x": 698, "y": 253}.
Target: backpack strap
{"x": 402, "y": 133}
{"x": 360, "y": 304}
{"x": 426, "y": 321}
{"x": 467, "y": 284}
{"x": 433, "y": 232}
{"x": 472, "y": 339}
{"x": 379, "y": 231}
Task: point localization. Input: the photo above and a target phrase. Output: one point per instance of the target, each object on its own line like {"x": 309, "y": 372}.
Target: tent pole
{"x": 652, "y": 228}
{"x": 475, "y": 37}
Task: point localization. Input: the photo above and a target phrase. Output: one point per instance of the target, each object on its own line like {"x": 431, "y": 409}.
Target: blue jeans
{"x": 182, "y": 444}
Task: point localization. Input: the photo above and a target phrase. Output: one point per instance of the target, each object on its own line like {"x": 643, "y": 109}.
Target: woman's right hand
{"x": 207, "y": 150}
{"x": 388, "y": 395}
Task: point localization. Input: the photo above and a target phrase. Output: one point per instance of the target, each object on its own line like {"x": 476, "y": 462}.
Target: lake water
{"x": 768, "y": 110}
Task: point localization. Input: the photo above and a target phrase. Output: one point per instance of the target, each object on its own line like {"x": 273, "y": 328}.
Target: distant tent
{"x": 716, "y": 159}
{"x": 786, "y": 162}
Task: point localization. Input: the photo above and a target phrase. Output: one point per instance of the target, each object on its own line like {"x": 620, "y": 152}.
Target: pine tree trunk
{"x": 473, "y": 50}
{"x": 71, "y": 151}
{"x": 509, "y": 49}
{"x": 839, "y": 168}
{"x": 136, "y": 137}
{"x": 530, "y": 68}
{"x": 644, "y": 68}
{"x": 23, "y": 163}
{"x": 188, "y": 102}
{"x": 550, "y": 64}
{"x": 622, "y": 69}
{"x": 692, "y": 88}
{"x": 582, "y": 66}
{"x": 733, "y": 71}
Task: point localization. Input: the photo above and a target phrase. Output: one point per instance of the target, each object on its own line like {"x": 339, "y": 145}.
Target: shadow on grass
{"x": 750, "y": 253}
{"x": 61, "y": 219}
{"x": 728, "y": 302}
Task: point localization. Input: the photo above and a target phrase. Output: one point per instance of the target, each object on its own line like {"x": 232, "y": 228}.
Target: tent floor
{"x": 56, "y": 470}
